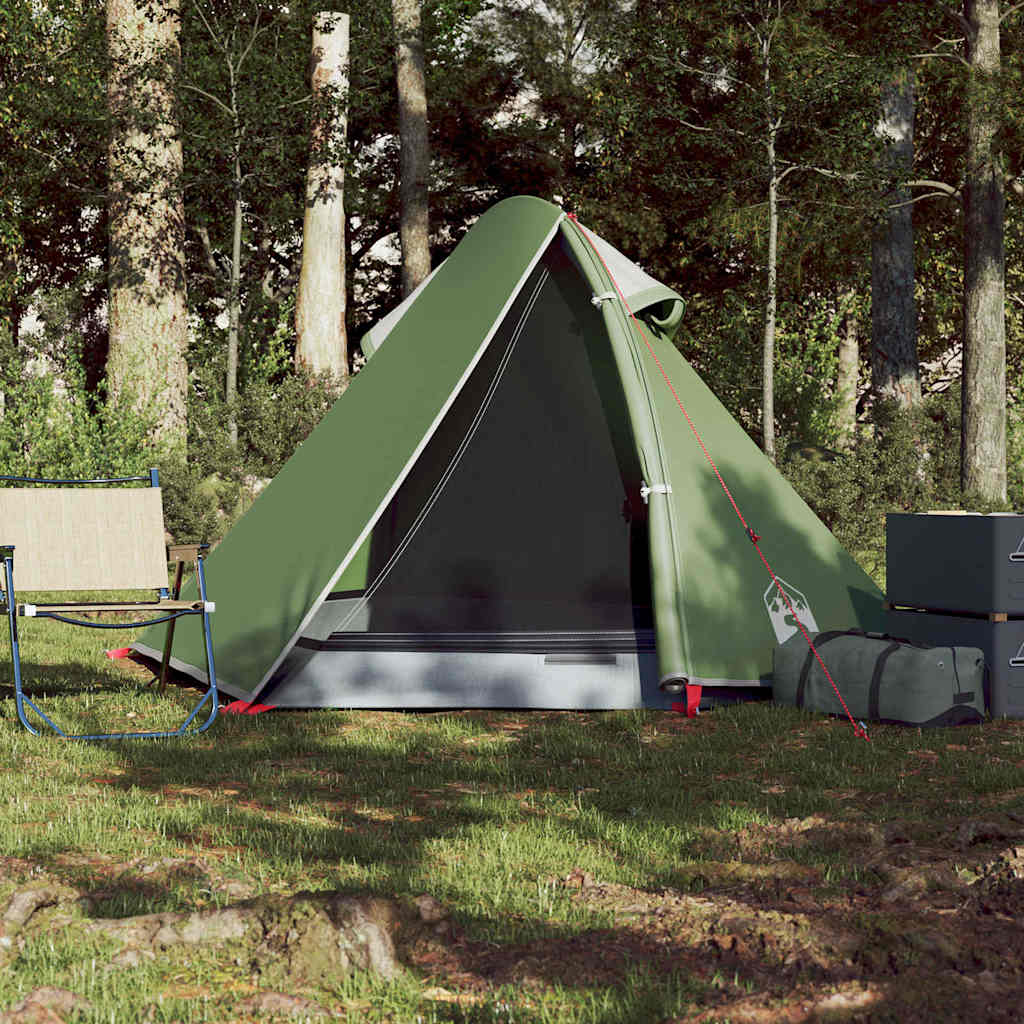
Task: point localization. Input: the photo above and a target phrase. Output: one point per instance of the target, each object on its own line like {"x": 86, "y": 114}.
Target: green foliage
{"x": 191, "y": 506}
{"x": 910, "y": 465}
{"x": 53, "y": 137}
{"x": 722, "y": 334}
{"x": 1015, "y": 449}
{"x": 277, "y": 409}
{"x": 52, "y": 426}
{"x": 650, "y": 119}
{"x": 54, "y": 429}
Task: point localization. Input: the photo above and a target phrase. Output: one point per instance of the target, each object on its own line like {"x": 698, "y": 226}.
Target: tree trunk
{"x": 768, "y": 340}
{"x": 148, "y": 306}
{"x": 847, "y": 374}
{"x": 983, "y": 430}
{"x": 415, "y": 152}
{"x": 234, "y": 304}
{"x": 320, "y": 302}
{"x": 895, "y": 373}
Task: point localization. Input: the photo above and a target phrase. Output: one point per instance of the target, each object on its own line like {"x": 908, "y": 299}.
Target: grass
{"x": 489, "y": 812}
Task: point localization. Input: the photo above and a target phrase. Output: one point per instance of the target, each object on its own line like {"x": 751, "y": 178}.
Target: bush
{"x": 276, "y": 410}
{"x": 191, "y": 511}
{"x": 910, "y": 465}
{"x": 50, "y": 430}
{"x": 275, "y": 414}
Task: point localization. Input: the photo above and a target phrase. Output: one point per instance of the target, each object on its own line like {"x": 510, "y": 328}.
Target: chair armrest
{"x": 184, "y": 552}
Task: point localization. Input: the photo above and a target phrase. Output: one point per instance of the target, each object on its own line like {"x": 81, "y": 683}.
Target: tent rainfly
{"x": 506, "y": 508}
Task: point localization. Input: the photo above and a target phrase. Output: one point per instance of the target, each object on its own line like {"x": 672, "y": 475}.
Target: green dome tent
{"x": 507, "y": 508}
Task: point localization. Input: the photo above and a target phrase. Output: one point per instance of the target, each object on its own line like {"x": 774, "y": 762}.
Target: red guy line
{"x": 858, "y": 728}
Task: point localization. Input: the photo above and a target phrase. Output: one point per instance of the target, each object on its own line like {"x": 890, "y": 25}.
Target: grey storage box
{"x": 955, "y": 562}
{"x": 1001, "y": 642}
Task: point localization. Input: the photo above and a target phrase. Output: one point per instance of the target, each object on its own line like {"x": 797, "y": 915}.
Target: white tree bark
{"x": 895, "y": 373}
{"x": 415, "y": 151}
{"x": 148, "y": 307}
{"x": 320, "y": 303}
{"x": 847, "y": 374}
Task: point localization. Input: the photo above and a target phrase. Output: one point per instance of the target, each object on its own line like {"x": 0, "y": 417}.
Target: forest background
{"x": 834, "y": 188}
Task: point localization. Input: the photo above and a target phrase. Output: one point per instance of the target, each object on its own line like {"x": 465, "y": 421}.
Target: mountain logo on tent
{"x": 1018, "y": 555}
{"x": 1018, "y": 660}
{"x": 782, "y": 618}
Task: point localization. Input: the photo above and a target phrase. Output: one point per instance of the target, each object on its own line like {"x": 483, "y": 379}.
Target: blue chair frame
{"x": 166, "y": 599}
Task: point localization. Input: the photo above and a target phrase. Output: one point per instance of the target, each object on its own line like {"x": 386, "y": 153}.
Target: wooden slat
{"x": 100, "y": 538}
{"x": 183, "y": 552}
{"x": 991, "y": 616}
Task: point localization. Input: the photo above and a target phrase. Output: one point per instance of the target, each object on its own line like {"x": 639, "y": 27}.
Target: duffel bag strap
{"x": 821, "y": 638}
{"x": 876, "y": 680}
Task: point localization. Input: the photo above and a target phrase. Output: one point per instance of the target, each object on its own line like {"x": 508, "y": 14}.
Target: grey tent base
{"x": 436, "y": 680}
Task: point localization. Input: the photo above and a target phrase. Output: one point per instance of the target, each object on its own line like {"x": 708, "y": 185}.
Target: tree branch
{"x": 825, "y": 172}
{"x": 211, "y": 258}
{"x": 1012, "y": 10}
{"x": 217, "y": 41}
{"x": 257, "y": 31}
{"x": 917, "y": 199}
{"x": 295, "y": 103}
{"x": 939, "y": 186}
{"x": 941, "y": 56}
{"x": 213, "y": 99}
{"x": 712, "y": 75}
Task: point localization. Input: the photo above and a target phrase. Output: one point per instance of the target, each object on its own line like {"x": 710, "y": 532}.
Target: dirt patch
{"x": 46, "y": 1006}
{"x": 945, "y": 948}
{"x": 309, "y": 939}
{"x": 936, "y": 931}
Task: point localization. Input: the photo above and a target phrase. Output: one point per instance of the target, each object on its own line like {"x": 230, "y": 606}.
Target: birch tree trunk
{"x": 847, "y": 374}
{"x": 768, "y": 339}
{"x": 234, "y": 297}
{"x": 148, "y": 319}
{"x": 320, "y": 303}
{"x": 983, "y": 428}
{"x": 415, "y": 153}
{"x": 772, "y": 125}
{"x": 895, "y": 372}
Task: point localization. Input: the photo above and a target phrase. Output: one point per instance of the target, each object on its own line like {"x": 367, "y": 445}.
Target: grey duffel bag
{"x": 882, "y": 679}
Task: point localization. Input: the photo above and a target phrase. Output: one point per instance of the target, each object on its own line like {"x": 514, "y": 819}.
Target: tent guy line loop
{"x": 859, "y": 728}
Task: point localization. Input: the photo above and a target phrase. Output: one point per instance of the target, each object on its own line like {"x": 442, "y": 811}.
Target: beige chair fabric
{"x": 101, "y": 538}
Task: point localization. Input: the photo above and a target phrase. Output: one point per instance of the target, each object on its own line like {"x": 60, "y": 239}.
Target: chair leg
{"x": 22, "y": 701}
{"x": 211, "y": 672}
{"x": 169, "y": 641}
{"x": 12, "y": 621}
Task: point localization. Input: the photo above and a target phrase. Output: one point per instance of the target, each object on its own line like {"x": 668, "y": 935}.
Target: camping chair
{"x": 87, "y": 538}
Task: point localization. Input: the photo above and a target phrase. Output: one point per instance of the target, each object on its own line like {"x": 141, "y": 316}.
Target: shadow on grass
{"x": 513, "y": 799}
{"x": 477, "y": 808}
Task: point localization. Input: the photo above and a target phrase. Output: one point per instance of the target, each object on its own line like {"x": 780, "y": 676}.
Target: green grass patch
{"x": 490, "y": 812}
